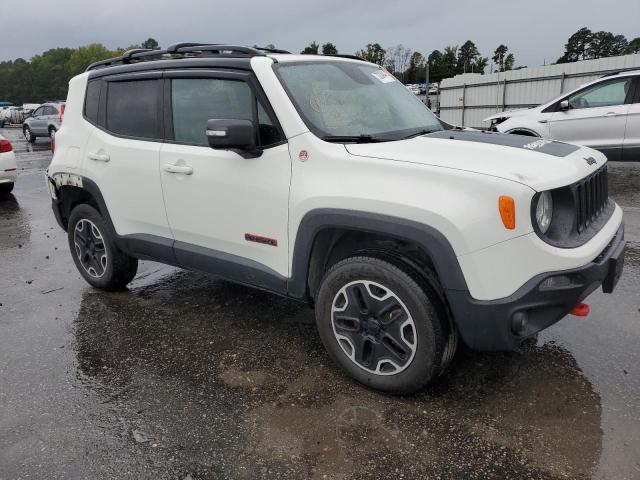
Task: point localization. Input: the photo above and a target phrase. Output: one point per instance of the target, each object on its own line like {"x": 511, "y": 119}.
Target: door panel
{"x": 227, "y": 197}
{"x": 596, "y": 117}
{"x": 631, "y": 149}
{"x": 126, "y": 171}
{"x": 38, "y": 121}
{"x": 216, "y": 199}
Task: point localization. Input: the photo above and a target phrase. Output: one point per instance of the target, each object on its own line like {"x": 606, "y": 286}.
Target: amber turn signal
{"x": 507, "y": 207}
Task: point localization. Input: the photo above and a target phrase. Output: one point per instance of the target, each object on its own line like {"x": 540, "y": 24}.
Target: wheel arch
{"x": 70, "y": 196}
{"x": 328, "y": 235}
{"x": 523, "y": 131}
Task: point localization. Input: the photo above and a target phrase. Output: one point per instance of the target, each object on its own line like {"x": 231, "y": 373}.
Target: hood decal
{"x": 550, "y": 147}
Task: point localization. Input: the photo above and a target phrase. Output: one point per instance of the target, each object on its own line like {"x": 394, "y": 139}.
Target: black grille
{"x": 591, "y": 196}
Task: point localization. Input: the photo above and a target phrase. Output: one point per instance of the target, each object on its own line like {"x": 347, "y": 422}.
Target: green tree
{"x": 576, "y": 47}
{"x": 417, "y": 68}
{"x": 329, "y": 49}
{"x": 449, "y": 61}
{"x": 606, "y": 44}
{"x": 633, "y": 46}
{"x": 503, "y": 59}
{"x": 311, "y": 49}
{"x": 82, "y": 57}
{"x": 435, "y": 66}
{"x": 373, "y": 53}
{"x": 151, "y": 43}
{"x": 469, "y": 59}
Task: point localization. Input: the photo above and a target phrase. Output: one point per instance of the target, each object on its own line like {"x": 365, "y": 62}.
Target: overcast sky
{"x": 535, "y": 31}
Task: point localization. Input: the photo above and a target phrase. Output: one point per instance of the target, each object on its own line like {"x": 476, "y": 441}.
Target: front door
{"x": 226, "y": 212}
{"x": 596, "y": 117}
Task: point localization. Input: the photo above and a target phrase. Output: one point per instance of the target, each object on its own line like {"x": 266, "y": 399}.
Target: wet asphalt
{"x": 188, "y": 377}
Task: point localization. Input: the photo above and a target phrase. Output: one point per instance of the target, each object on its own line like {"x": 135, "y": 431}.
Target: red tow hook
{"x": 580, "y": 310}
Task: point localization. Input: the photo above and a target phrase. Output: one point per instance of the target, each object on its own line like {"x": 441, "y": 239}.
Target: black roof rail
{"x": 186, "y": 49}
{"x": 270, "y": 50}
{"x": 344, "y": 55}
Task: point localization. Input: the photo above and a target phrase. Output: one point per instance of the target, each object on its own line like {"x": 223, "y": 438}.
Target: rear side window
{"x": 133, "y": 108}
{"x": 92, "y": 101}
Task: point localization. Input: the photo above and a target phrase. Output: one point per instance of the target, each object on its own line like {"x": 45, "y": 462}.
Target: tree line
{"x": 46, "y": 76}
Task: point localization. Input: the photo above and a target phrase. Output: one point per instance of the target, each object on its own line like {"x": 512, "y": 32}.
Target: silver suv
{"x": 44, "y": 121}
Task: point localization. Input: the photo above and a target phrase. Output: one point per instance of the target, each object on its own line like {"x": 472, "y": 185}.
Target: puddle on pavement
{"x": 234, "y": 383}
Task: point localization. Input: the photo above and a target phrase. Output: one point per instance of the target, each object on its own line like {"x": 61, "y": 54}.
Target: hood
{"x": 512, "y": 113}
{"x": 538, "y": 163}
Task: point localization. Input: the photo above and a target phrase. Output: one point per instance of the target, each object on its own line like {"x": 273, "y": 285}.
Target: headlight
{"x": 544, "y": 211}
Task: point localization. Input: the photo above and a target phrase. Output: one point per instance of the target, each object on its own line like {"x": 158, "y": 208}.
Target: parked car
{"x": 323, "y": 179}
{"x": 44, "y": 121}
{"x": 8, "y": 167}
{"x": 603, "y": 114}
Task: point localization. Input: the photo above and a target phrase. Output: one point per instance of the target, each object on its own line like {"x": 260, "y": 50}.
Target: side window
{"x": 38, "y": 111}
{"x": 132, "y": 108}
{"x": 269, "y": 133}
{"x": 92, "y": 101}
{"x": 196, "y": 100}
{"x": 602, "y": 95}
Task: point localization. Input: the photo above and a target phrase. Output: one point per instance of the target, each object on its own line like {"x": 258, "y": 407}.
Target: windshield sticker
{"x": 383, "y": 76}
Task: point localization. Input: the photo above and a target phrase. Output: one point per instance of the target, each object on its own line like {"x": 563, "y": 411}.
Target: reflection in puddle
{"x": 232, "y": 382}
{"x": 15, "y": 230}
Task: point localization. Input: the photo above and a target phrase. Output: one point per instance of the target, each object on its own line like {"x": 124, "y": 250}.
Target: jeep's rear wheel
{"x": 382, "y": 325}
{"x": 98, "y": 259}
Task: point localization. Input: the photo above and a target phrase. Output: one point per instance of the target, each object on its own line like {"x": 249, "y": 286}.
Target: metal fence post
{"x": 464, "y": 92}
{"x": 562, "y": 82}
{"x": 504, "y": 94}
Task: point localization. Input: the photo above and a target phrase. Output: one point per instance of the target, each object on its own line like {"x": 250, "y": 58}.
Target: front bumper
{"x": 503, "y": 324}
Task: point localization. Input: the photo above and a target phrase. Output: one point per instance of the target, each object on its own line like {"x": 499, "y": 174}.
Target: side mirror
{"x": 564, "y": 105}
{"x": 231, "y": 134}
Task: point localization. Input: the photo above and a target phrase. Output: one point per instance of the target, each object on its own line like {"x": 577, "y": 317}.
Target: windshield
{"x": 348, "y": 101}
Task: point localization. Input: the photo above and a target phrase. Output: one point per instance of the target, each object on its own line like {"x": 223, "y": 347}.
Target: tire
{"x": 28, "y": 135}
{"x": 6, "y": 188}
{"x": 100, "y": 262}
{"x": 383, "y": 325}
{"x": 52, "y": 133}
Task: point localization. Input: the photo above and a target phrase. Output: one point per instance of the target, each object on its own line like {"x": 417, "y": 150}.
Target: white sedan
{"x": 603, "y": 114}
{"x": 8, "y": 167}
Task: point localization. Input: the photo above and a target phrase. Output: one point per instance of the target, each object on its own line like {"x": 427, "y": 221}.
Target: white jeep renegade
{"x": 324, "y": 179}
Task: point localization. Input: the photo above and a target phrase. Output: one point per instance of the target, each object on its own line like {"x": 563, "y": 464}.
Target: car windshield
{"x": 348, "y": 101}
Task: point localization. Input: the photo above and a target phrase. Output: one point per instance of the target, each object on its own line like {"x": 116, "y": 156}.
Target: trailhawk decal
{"x": 550, "y": 147}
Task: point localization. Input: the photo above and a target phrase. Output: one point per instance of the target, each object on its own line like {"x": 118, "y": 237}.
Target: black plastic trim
{"x": 572, "y": 237}
{"x": 487, "y": 325}
{"x": 431, "y": 240}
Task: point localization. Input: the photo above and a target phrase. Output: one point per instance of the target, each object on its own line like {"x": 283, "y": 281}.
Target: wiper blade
{"x": 424, "y": 131}
{"x": 352, "y": 139}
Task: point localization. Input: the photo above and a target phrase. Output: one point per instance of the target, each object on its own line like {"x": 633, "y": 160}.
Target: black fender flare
{"x": 428, "y": 238}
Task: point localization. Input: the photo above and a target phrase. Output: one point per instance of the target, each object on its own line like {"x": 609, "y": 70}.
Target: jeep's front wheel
{"x": 98, "y": 259}
{"x": 383, "y": 325}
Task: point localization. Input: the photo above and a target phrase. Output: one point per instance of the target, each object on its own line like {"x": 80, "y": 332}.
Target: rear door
{"x": 38, "y": 122}
{"x": 123, "y": 152}
{"x": 597, "y": 117}
{"x": 225, "y": 210}
{"x": 631, "y": 148}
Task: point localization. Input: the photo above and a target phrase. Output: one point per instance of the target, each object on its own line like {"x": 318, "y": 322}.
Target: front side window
{"x": 133, "y": 108}
{"x": 603, "y": 95}
{"x": 194, "y": 101}
{"x": 38, "y": 111}
{"x": 338, "y": 99}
